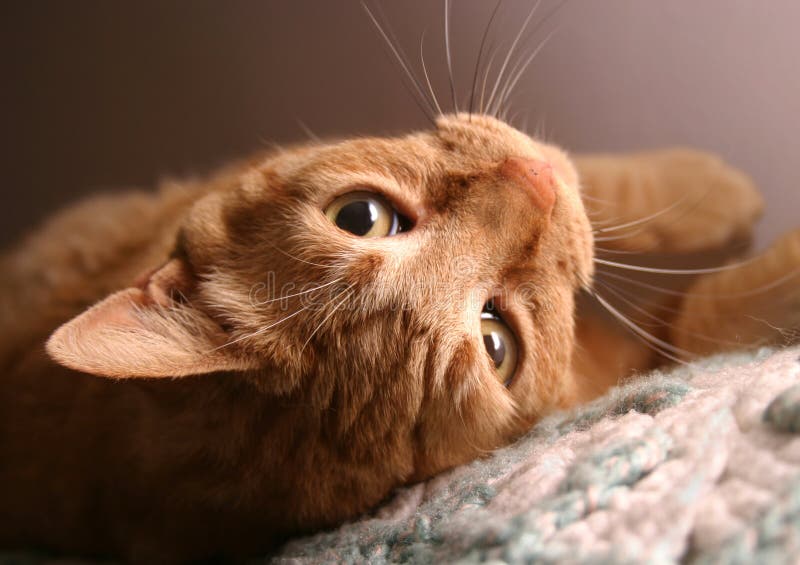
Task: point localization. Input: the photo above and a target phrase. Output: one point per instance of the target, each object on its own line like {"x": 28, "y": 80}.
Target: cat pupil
{"x": 496, "y": 347}
{"x": 358, "y": 217}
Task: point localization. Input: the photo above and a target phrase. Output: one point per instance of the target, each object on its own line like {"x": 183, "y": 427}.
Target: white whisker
{"x": 447, "y": 53}
{"x": 301, "y": 260}
{"x": 649, "y": 218}
{"x": 425, "y": 73}
{"x": 485, "y": 78}
{"x": 260, "y": 331}
{"x": 626, "y": 266}
{"x": 715, "y": 295}
{"x": 511, "y": 52}
{"x": 664, "y": 348}
{"x": 664, "y": 323}
{"x": 505, "y": 93}
{"x": 284, "y": 297}
{"x": 306, "y": 130}
{"x": 417, "y": 93}
{"x": 478, "y": 61}
{"x": 331, "y": 313}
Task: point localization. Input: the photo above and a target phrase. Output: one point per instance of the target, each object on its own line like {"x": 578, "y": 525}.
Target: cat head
{"x": 418, "y": 290}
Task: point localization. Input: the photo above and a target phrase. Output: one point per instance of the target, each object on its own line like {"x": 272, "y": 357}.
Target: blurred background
{"x": 103, "y": 95}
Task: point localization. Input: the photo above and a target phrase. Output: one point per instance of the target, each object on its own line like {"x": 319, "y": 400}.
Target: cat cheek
{"x": 364, "y": 269}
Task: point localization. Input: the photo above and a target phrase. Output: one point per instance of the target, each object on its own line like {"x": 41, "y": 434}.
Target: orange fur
{"x": 309, "y": 372}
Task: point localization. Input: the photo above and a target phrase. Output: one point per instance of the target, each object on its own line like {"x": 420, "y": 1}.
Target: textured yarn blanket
{"x": 698, "y": 465}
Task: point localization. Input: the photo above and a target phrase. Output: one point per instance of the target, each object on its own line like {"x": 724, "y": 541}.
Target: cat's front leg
{"x": 755, "y": 304}
{"x": 673, "y": 200}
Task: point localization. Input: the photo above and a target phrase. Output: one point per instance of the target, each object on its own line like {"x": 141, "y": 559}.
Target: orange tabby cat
{"x": 277, "y": 348}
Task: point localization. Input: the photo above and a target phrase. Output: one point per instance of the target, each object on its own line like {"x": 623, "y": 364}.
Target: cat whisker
{"x": 706, "y": 271}
{"x": 660, "y": 322}
{"x": 515, "y": 75}
{"x": 260, "y": 331}
{"x": 657, "y": 344}
{"x": 425, "y": 73}
{"x": 278, "y": 249}
{"x": 306, "y": 130}
{"x": 284, "y": 297}
{"x": 511, "y": 83}
{"x": 637, "y": 251}
{"x": 486, "y": 73}
{"x": 525, "y": 121}
{"x": 711, "y": 296}
{"x": 541, "y": 129}
{"x": 642, "y": 221}
{"x": 416, "y": 92}
{"x": 645, "y": 219}
{"x": 603, "y": 201}
{"x": 331, "y": 313}
{"x": 592, "y": 213}
{"x": 478, "y": 61}
{"x": 516, "y": 115}
{"x": 448, "y": 54}
{"x": 510, "y": 53}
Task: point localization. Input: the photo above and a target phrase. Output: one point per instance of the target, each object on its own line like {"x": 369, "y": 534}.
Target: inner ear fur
{"x": 151, "y": 329}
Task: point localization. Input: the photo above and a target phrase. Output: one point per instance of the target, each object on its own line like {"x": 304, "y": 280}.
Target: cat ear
{"x": 145, "y": 331}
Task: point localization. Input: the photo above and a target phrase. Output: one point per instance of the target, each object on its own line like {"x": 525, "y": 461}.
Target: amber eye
{"x": 365, "y": 214}
{"x": 500, "y": 344}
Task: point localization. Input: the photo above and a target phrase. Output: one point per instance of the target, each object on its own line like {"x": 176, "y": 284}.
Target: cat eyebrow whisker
{"x": 520, "y": 68}
{"x": 505, "y": 93}
{"x": 425, "y": 73}
{"x": 416, "y": 93}
{"x": 448, "y": 54}
{"x": 478, "y": 61}
{"x": 510, "y": 52}
{"x": 482, "y": 108}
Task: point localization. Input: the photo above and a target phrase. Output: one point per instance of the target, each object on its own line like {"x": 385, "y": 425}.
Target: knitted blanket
{"x": 699, "y": 465}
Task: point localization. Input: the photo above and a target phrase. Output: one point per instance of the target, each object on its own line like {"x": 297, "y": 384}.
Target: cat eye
{"x": 500, "y": 344}
{"x": 366, "y": 214}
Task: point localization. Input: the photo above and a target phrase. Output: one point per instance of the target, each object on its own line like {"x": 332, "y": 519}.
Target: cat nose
{"x": 535, "y": 176}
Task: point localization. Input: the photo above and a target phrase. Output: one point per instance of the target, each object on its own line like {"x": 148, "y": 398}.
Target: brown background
{"x": 103, "y": 94}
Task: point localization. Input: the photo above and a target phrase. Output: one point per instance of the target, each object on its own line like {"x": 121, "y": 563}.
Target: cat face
{"x": 416, "y": 291}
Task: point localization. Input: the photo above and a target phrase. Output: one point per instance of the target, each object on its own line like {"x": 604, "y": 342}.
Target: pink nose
{"x": 535, "y": 176}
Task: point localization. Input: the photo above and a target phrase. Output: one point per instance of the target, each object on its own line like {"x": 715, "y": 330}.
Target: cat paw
{"x": 680, "y": 200}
